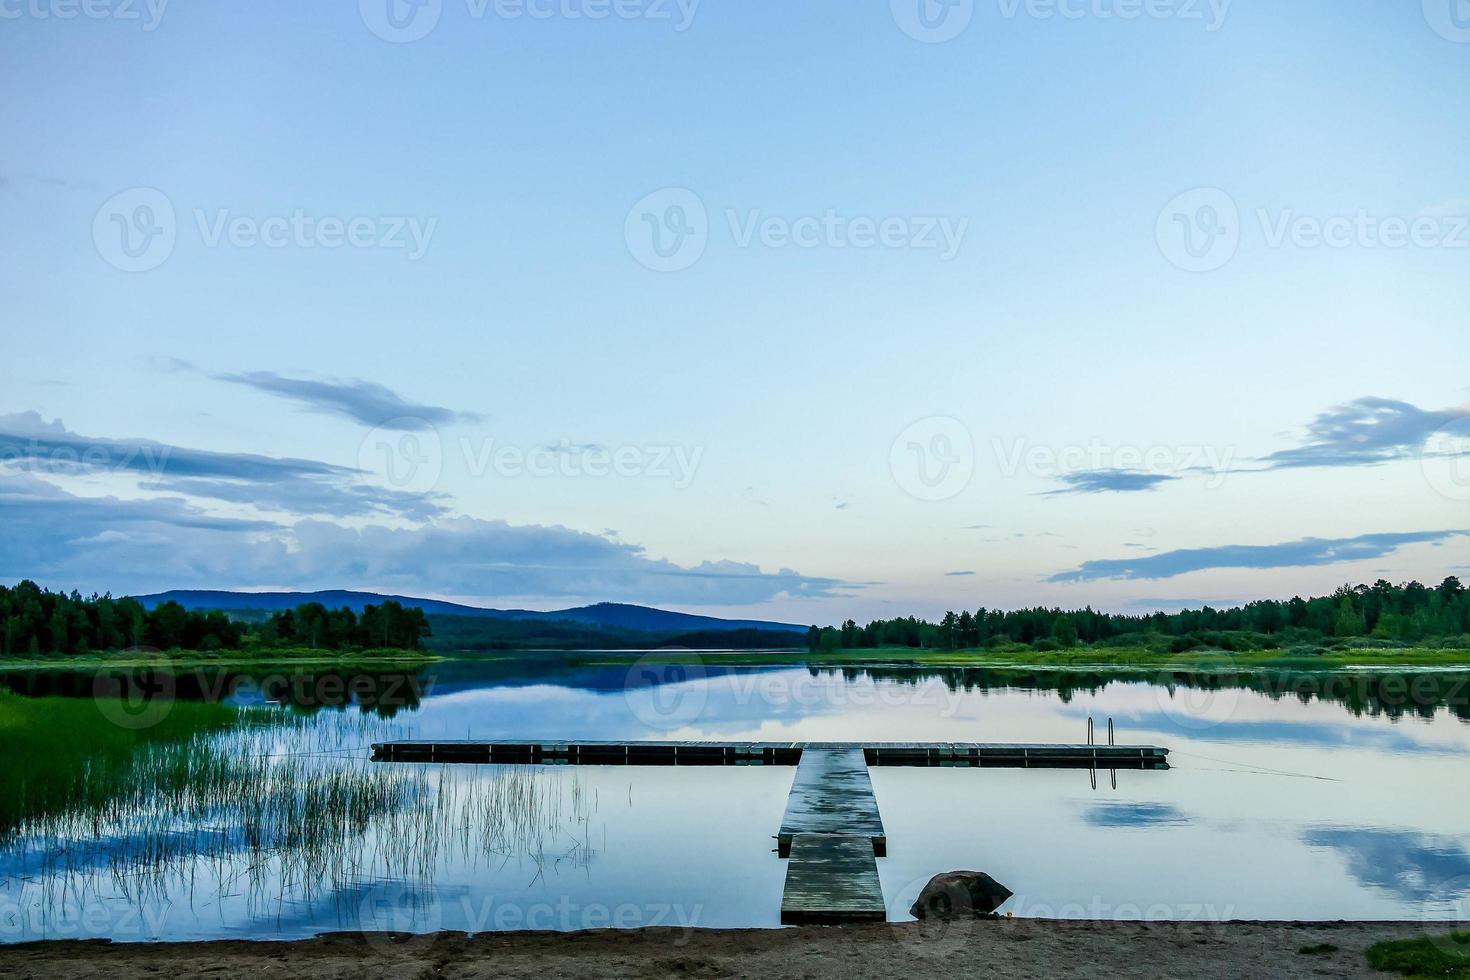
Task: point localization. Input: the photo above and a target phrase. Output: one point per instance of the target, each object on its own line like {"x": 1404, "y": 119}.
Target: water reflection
{"x": 1414, "y": 867}
{"x": 248, "y": 807}
{"x": 1133, "y": 815}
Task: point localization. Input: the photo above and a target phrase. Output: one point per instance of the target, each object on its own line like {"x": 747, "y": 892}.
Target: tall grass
{"x": 283, "y": 810}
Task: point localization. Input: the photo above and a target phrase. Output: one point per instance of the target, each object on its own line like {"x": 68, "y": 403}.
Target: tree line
{"x": 35, "y": 622}
{"x": 389, "y": 626}
{"x": 1407, "y": 613}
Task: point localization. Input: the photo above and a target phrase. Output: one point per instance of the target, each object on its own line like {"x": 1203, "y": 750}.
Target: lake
{"x": 145, "y": 805}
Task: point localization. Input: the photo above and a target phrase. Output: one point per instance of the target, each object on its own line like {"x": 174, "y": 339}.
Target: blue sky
{"x": 748, "y": 308}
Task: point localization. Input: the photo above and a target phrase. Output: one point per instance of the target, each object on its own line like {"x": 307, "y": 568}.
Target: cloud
{"x": 362, "y": 401}
{"x": 1133, "y": 815}
{"x": 563, "y": 448}
{"x": 162, "y": 543}
{"x": 50, "y": 533}
{"x": 1109, "y": 481}
{"x": 1370, "y": 431}
{"x": 1416, "y": 868}
{"x": 957, "y": 574}
{"x": 1291, "y": 554}
{"x": 297, "y": 486}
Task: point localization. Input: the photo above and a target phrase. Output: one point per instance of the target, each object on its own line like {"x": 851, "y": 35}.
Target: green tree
{"x": 1349, "y": 620}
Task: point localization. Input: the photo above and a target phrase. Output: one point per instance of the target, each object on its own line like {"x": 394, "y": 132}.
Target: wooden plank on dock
{"x": 832, "y": 878}
{"x": 832, "y": 794}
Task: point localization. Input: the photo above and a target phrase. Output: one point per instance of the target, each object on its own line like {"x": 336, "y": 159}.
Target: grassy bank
{"x": 272, "y": 658}
{"x": 1110, "y": 658}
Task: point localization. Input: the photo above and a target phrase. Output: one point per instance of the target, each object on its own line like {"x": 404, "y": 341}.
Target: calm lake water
{"x": 208, "y": 806}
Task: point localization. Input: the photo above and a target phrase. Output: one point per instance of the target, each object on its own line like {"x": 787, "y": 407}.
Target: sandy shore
{"x": 1018, "y": 948}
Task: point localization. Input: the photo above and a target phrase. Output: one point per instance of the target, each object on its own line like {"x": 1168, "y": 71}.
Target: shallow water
{"x": 230, "y": 809}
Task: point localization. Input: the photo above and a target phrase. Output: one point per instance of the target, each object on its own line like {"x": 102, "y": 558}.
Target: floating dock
{"x": 831, "y": 833}
{"x": 1016, "y": 755}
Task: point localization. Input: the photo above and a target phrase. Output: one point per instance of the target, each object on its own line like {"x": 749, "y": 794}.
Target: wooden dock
{"x": 600, "y": 753}
{"x": 831, "y": 833}
{"x": 831, "y": 878}
{"x": 832, "y": 795}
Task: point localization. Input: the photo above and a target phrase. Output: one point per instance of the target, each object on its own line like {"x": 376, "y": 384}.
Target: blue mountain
{"x": 611, "y": 614}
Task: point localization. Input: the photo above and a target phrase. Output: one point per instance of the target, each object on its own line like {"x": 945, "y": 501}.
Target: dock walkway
{"x": 832, "y": 832}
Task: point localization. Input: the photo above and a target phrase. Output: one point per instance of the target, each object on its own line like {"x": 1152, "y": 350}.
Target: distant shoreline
{"x": 1122, "y": 660}
{"x": 1082, "y": 659}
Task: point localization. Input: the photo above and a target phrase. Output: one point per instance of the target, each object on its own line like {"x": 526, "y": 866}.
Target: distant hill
{"x": 613, "y": 615}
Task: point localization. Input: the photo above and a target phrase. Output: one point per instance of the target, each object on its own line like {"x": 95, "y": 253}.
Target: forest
{"x": 1382, "y": 614}
{"x": 35, "y": 622}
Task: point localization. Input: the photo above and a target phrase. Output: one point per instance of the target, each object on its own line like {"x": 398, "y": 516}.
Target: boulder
{"x": 960, "y": 895}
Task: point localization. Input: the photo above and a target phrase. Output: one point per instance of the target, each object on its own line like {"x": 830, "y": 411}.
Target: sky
{"x": 794, "y": 310}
